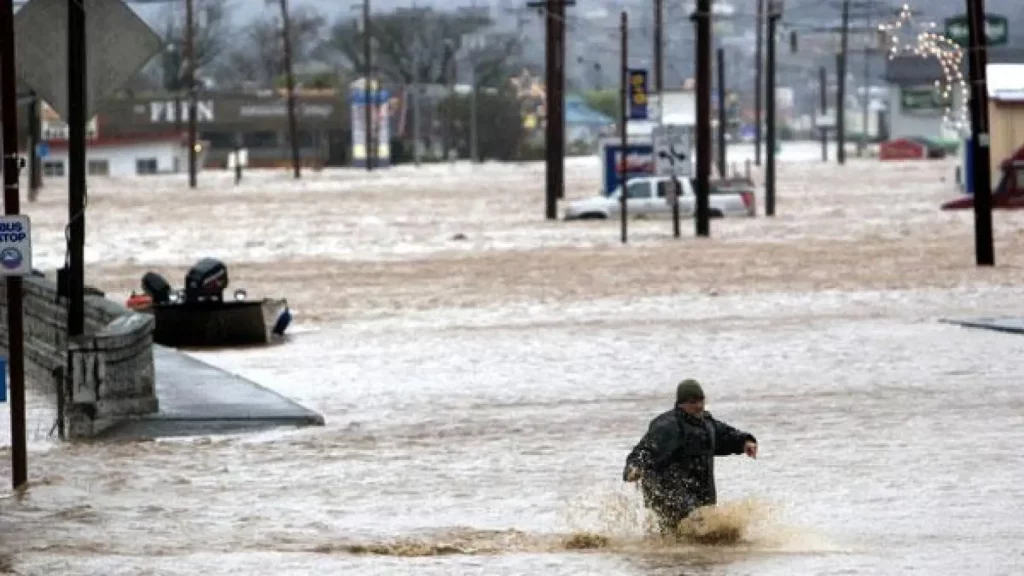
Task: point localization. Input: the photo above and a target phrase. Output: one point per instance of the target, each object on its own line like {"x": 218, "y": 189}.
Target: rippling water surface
{"x": 481, "y": 395}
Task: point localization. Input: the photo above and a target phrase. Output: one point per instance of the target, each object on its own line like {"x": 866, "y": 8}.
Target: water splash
{"x": 728, "y": 523}
{"x": 614, "y": 518}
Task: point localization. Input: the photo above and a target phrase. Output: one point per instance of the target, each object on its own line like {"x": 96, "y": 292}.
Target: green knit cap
{"x": 687, "y": 390}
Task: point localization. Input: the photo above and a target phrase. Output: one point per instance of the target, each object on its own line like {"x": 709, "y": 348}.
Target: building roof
{"x": 577, "y": 112}
{"x": 910, "y": 70}
{"x": 124, "y": 140}
{"x": 1005, "y": 82}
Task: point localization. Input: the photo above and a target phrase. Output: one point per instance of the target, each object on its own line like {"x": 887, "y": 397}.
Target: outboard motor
{"x": 206, "y": 280}
{"x": 157, "y": 287}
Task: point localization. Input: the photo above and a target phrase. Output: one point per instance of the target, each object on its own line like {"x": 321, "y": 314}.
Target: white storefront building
{"x": 122, "y": 156}
{"x": 142, "y": 154}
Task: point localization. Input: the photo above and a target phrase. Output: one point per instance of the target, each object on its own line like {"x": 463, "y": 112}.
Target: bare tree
{"x": 408, "y": 38}
{"x": 212, "y": 31}
{"x": 257, "y": 56}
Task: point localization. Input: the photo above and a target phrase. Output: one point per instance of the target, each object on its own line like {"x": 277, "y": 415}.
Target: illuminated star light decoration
{"x": 949, "y": 54}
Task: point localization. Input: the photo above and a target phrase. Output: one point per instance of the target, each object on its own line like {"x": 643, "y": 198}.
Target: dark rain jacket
{"x": 677, "y": 457}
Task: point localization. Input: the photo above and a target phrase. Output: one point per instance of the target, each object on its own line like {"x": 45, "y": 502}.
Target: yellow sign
{"x": 637, "y": 94}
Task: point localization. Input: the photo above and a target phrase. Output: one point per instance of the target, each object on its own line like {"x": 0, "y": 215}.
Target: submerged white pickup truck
{"x": 650, "y": 197}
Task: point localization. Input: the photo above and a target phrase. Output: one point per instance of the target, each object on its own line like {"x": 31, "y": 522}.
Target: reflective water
{"x": 480, "y": 400}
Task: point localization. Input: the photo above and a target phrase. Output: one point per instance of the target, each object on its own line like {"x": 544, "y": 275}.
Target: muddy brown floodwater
{"x": 481, "y": 393}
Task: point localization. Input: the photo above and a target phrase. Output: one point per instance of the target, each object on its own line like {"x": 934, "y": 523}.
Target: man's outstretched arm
{"x": 729, "y": 440}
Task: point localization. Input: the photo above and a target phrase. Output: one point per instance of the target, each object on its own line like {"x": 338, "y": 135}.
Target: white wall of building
{"x": 920, "y": 123}
{"x": 123, "y": 160}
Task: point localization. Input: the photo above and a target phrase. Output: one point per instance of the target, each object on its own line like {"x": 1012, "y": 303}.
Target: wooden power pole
{"x": 12, "y": 206}
{"x": 368, "y": 92}
{"x": 293, "y": 129}
{"x": 984, "y": 250}
{"x": 554, "y": 81}
{"x": 190, "y": 52}
{"x": 758, "y": 83}
{"x": 659, "y": 45}
{"x": 703, "y": 93}
{"x": 844, "y": 49}
{"x": 620, "y": 163}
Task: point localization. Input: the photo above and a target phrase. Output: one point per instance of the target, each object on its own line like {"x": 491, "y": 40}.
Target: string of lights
{"x": 928, "y": 44}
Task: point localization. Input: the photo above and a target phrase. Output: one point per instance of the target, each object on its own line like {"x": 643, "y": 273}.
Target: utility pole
{"x": 293, "y": 129}
{"x": 474, "y": 135}
{"x": 723, "y": 123}
{"x": 862, "y": 143}
{"x": 758, "y": 82}
{"x": 703, "y": 93}
{"x": 416, "y": 107}
{"x": 77, "y": 107}
{"x": 659, "y": 45}
{"x": 449, "y": 120}
{"x": 554, "y": 102}
{"x": 557, "y": 112}
{"x": 12, "y": 205}
{"x": 623, "y": 121}
{"x": 774, "y": 13}
{"x": 190, "y": 47}
{"x": 447, "y": 63}
{"x": 823, "y": 87}
{"x": 984, "y": 250}
{"x": 844, "y": 46}
{"x": 368, "y": 92}
{"x": 190, "y": 81}
{"x": 238, "y": 158}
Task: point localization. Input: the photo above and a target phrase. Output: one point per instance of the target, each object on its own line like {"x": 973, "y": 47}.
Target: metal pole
{"x": 416, "y": 108}
{"x": 557, "y": 113}
{"x": 12, "y": 205}
{"x": 758, "y": 83}
{"x": 76, "y": 165}
{"x": 862, "y": 143}
{"x": 367, "y": 88}
{"x": 723, "y": 127}
{"x": 35, "y": 129}
{"x": 703, "y": 93}
{"x": 190, "y": 33}
{"x": 238, "y": 158}
{"x": 675, "y": 208}
{"x": 769, "y": 173}
{"x": 447, "y": 64}
{"x": 841, "y": 91}
{"x": 474, "y": 147}
{"x": 984, "y": 251}
{"x": 659, "y": 63}
{"x": 823, "y": 87}
{"x": 550, "y": 156}
{"x": 293, "y": 129}
{"x": 623, "y": 120}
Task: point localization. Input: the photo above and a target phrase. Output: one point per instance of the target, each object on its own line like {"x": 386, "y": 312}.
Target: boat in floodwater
{"x": 199, "y": 316}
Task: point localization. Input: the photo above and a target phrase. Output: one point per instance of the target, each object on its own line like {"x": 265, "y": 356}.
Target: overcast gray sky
{"x": 248, "y": 9}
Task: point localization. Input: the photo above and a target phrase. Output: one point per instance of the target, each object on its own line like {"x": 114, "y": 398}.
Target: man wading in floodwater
{"x": 675, "y": 460}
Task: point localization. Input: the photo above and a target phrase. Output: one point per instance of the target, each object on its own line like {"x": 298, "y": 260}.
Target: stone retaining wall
{"x": 111, "y": 376}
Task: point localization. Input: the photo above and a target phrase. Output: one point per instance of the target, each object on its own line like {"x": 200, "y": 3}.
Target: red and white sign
{"x": 902, "y": 149}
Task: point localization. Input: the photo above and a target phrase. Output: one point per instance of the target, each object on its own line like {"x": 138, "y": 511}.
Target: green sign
{"x": 922, "y": 99}
{"x": 997, "y": 30}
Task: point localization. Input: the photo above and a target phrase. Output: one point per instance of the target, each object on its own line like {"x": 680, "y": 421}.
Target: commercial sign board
{"x": 638, "y": 95}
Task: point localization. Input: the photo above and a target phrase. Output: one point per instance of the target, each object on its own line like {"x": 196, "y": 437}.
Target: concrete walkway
{"x": 198, "y": 399}
{"x": 1011, "y": 324}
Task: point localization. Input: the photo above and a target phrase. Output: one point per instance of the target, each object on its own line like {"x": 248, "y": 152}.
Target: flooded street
{"x": 481, "y": 395}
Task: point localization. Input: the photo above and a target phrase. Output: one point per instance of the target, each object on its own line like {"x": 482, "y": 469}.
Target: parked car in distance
{"x": 649, "y": 197}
